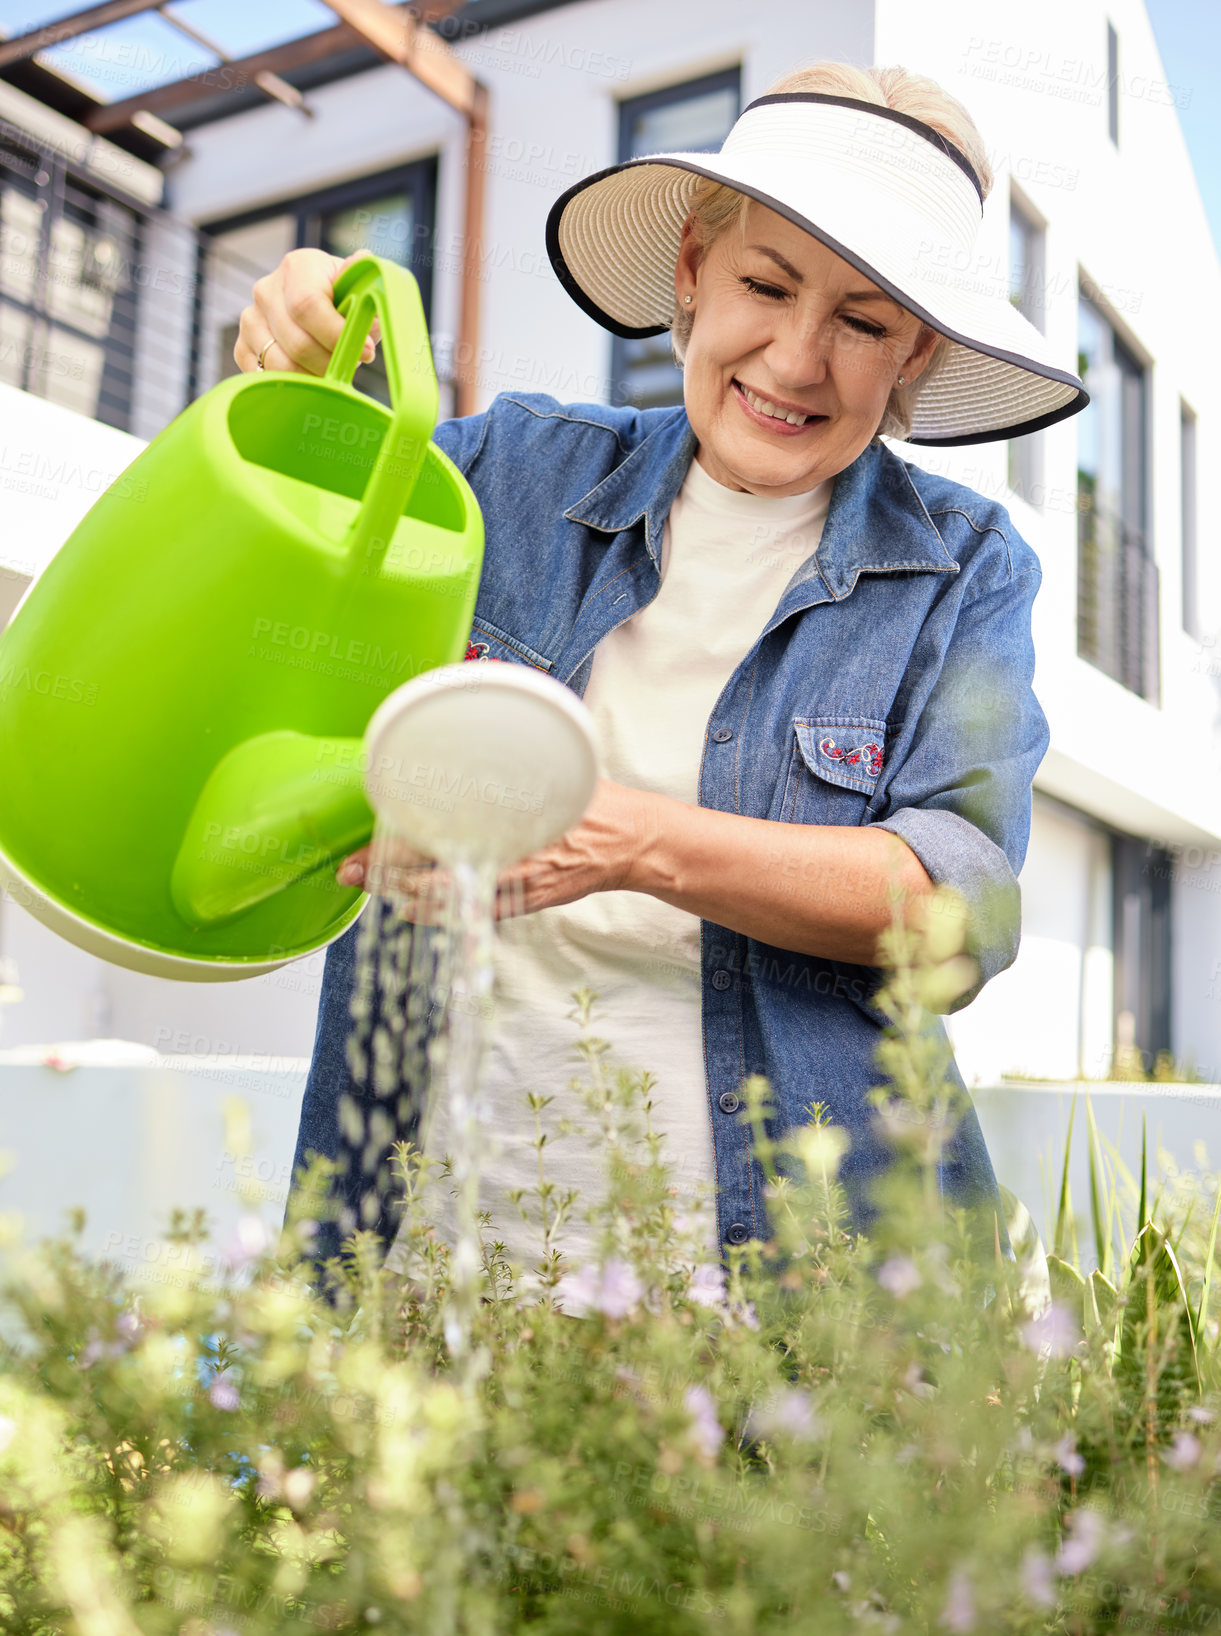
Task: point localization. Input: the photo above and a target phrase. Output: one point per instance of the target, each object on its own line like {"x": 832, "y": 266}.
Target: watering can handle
{"x": 369, "y": 287}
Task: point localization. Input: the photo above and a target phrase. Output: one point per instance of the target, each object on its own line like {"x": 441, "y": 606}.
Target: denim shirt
{"x": 891, "y": 687}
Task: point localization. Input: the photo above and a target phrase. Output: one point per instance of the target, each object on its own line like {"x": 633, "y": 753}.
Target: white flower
{"x": 223, "y": 1393}
{"x": 1184, "y": 1452}
{"x": 1056, "y": 1331}
{"x": 900, "y": 1276}
{"x": 707, "y": 1286}
{"x": 297, "y": 1486}
{"x": 1037, "y": 1583}
{"x": 707, "y": 1431}
{"x": 1066, "y": 1457}
{"x": 959, "y": 1612}
{"x": 788, "y": 1412}
{"x": 1087, "y": 1530}
{"x": 612, "y": 1290}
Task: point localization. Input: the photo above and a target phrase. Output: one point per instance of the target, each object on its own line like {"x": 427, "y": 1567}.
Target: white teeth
{"x": 765, "y": 407}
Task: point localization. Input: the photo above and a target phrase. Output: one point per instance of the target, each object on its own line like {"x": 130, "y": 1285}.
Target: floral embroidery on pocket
{"x": 479, "y": 650}
{"x": 869, "y": 755}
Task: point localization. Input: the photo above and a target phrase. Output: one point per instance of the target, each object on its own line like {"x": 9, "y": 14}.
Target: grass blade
{"x": 1063, "y": 1214}
{"x": 1102, "y": 1247}
{"x": 1202, "y": 1308}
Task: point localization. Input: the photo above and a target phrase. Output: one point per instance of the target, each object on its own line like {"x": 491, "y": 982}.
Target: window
{"x": 392, "y": 214}
{"x": 1187, "y": 495}
{"x": 1113, "y": 84}
{"x": 1117, "y": 588}
{"x": 691, "y": 118}
{"x": 70, "y": 255}
{"x": 1142, "y": 874}
{"x": 1027, "y": 291}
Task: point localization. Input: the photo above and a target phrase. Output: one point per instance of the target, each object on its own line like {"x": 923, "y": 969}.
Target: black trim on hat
{"x": 940, "y": 142}
{"x": 627, "y": 333}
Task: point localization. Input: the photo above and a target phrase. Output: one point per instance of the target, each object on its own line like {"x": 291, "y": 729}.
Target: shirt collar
{"x": 876, "y": 521}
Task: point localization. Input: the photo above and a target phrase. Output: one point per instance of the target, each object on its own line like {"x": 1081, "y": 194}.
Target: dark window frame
{"x": 1118, "y": 598}
{"x": 630, "y": 108}
{"x": 1188, "y": 518}
{"x": 415, "y": 177}
{"x": 1112, "y": 83}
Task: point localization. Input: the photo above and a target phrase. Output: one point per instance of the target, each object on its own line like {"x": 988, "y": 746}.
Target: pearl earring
{"x": 899, "y": 382}
{"x": 687, "y": 299}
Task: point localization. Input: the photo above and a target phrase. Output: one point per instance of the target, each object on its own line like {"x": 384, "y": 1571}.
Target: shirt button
{"x": 722, "y": 735}
{"x": 721, "y": 979}
{"x": 728, "y": 1102}
{"x": 737, "y": 1234}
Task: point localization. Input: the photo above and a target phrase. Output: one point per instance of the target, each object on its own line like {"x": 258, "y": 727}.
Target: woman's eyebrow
{"x": 787, "y": 266}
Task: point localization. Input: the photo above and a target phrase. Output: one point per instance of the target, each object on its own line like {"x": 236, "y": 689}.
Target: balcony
{"x": 108, "y": 306}
{"x": 1117, "y": 598}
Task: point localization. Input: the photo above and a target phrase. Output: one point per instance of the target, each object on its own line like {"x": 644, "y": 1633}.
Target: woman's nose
{"x": 799, "y": 354}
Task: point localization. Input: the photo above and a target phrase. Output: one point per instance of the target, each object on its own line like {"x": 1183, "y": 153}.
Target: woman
{"x": 809, "y": 663}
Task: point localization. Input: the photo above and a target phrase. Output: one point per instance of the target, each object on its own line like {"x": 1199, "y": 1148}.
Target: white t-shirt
{"x": 655, "y": 681}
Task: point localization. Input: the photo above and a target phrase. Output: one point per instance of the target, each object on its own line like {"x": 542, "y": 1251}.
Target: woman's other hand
{"x": 294, "y": 310}
{"x": 600, "y": 854}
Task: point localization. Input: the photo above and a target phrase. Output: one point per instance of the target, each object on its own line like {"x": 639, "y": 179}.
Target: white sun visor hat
{"x": 886, "y": 192}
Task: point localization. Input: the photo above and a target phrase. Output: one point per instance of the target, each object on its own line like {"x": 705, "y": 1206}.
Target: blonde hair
{"x": 715, "y": 208}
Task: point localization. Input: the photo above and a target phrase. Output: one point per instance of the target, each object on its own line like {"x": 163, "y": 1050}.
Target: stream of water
{"x": 421, "y": 1010}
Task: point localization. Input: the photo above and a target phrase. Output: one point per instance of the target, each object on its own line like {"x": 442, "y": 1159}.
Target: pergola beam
{"x": 238, "y": 75}
{"x": 71, "y": 27}
{"x": 397, "y": 33}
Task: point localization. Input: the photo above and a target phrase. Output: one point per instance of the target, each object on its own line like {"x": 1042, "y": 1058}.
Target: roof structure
{"x": 142, "y": 72}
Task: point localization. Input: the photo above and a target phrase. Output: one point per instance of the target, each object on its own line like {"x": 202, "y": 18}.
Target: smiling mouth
{"x": 782, "y": 415}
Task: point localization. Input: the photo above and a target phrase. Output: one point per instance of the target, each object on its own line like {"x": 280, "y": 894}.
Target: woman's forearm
{"x": 814, "y": 889}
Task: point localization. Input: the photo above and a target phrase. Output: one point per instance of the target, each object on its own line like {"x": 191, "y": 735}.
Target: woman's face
{"x": 781, "y": 323}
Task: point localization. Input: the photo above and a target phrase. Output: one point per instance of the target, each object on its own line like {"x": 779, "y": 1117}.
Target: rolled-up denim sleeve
{"x": 963, "y": 766}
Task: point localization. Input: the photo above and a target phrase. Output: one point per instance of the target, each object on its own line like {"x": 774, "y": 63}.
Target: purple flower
{"x": 707, "y": 1431}
{"x": 959, "y": 1612}
{"x": 1037, "y": 1583}
{"x": 787, "y": 1412}
{"x": 1201, "y": 1415}
{"x": 1086, "y": 1531}
{"x": 1066, "y": 1457}
{"x": 224, "y": 1394}
{"x": 900, "y": 1276}
{"x": 1184, "y": 1452}
{"x": 707, "y": 1286}
{"x": 1056, "y": 1331}
{"x": 612, "y": 1290}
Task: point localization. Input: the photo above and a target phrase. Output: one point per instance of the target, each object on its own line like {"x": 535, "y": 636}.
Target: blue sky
{"x": 145, "y": 51}
{"x": 1188, "y": 36}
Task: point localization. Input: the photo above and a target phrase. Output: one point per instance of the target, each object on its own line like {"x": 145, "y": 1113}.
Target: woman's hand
{"x": 294, "y": 309}
{"x": 602, "y": 853}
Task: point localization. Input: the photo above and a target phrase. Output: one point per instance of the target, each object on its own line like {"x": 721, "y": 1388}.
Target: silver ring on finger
{"x": 262, "y": 355}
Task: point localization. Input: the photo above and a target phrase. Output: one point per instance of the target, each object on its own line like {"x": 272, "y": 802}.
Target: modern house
{"x": 156, "y": 158}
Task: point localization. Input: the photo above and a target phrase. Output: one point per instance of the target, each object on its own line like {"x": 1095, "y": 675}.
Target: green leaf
{"x": 1102, "y": 1237}
{"x": 1064, "y": 1213}
{"x": 1164, "y": 1347}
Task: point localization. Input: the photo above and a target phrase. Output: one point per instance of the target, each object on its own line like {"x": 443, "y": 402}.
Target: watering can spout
{"x": 276, "y": 808}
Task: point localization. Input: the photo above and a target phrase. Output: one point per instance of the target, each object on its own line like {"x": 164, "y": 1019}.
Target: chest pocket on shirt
{"x": 488, "y": 641}
{"x": 834, "y": 769}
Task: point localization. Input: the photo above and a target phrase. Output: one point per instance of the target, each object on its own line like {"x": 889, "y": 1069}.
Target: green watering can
{"x": 185, "y": 689}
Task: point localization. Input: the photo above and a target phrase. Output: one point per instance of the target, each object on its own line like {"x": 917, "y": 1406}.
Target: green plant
{"x": 838, "y": 1432}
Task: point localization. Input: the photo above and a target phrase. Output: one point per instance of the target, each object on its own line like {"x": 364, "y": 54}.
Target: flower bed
{"x": 839, "y": 1433}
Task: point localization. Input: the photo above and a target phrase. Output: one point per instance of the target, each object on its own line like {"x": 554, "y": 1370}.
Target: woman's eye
{"x": 863, "y": 327}
{"x": 757, "y": 287}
